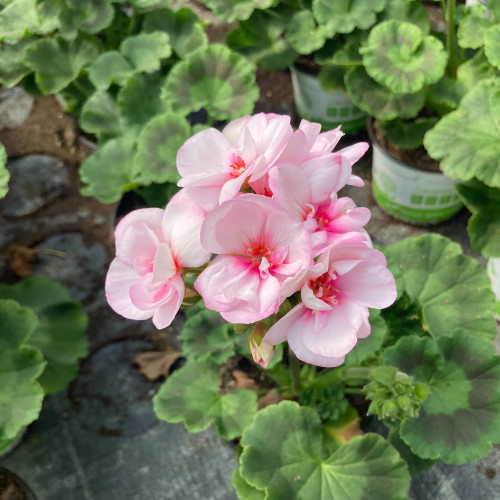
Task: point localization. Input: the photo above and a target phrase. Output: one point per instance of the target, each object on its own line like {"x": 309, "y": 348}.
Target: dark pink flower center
{"x": 324, "y": 288}
{"x": 256, "y": 254}
{"x": 237, "y": 166}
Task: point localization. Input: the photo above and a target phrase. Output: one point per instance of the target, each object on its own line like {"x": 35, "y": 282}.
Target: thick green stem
{"x": 133, "y": 21}
{"x": 294, "y": 366}
{"x": 451, "y": 39}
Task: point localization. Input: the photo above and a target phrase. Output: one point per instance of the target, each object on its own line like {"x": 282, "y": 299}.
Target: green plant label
{"x": 411, "y": 194}
{"x": 331, "y": 108}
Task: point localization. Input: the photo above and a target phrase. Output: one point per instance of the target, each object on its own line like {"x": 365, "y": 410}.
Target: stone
{"x": 35, "y": 182}
{"x": 15, "y": 107}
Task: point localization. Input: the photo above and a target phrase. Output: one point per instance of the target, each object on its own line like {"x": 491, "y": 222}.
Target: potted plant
{"x": 408, "y": 80}
{"x": 293, "y": 263}
{"x": 308, "y": 39}
{"x": 138, "y": 75}
{"x": 42, "y": 338}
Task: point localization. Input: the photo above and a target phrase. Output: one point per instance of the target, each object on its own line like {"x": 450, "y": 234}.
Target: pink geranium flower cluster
{"x": 264, "y": 199}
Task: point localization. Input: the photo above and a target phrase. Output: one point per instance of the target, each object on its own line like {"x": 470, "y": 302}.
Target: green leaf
{"x": 206, "y": 335}
{"x": 230, "y": 10}
{"x": 407, "y": 11}
{"x": 146, "y": 50}
{"x": 379, "y": 101}
{"x": 139, "y": 100}
{"x": 460, "y": 418}
{"x": 484, "y": 225}
{"x": 58, "y": 62}
{"x": 36, "y": 292}
{"x": 91, "y": 16}
{"x": 17, "y": 19}
{"x": 289, "y": 461}
{"x": 445, "y": 95}
{"x": 100, "y": 115}
{"x": 407, "y": 134}
{"x": 4, "y": 173}
{"x": 467, "y": 141}
{"x": 110, "y": 67}
{"x": 20, "y": 394}
{"x": 304, "y": 35}
{"x": 345, "y": 15}
{"x": 214, "y": 78}
{"x": 491, "y": 44}
{"x": 157, "y": 147}
{"x": 185, "y": 32}
{"x": 12, "y": 66}
{"x": 453, "y": 290}
{"x": 471, "y": 28}
{"x": 261, "y": 39}
{"x": 191, "y": 395}
{"x": 368, "y": 346}
{"x": 400, "y": 56}
{"x": 244, "y": 490}
{"x": 60, "y": 333}
{"x": 111, "y": 171}
{"x": 476, "y": 69}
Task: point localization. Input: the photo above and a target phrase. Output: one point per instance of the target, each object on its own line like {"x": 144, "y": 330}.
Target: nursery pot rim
{"x": 401, "y": 163}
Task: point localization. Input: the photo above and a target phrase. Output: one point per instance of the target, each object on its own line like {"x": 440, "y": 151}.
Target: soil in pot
{"x": 12, "y": 487}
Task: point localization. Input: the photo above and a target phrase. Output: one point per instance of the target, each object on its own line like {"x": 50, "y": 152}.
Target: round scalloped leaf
{"x": 110, "y": 67}
{"x": 484, "y": 225}
{"x": 185, "y": 32}
{"x": 304, "y": 35}
{"x": 91, "y": 16}
{"x": 139, "y": 100}
{"x": 157, "y": 147}
{"x": 407, "y": 134}
{"x": 364, "y": 348}
{"x": 401, "y": 57}
{"x": 290, "y": 461}
{"x": 408, "y": 11}
{"x": 191, "y": 395}
{"x": 4, "y": 173}
{"x": 214, "y": 78}
{"x": 445, "y": 95}
{"x": 17, "y": 18}
{"x": 345, "y": 15}
{"x": 110, "y": 171}
{"x": 100, "y": 115}
{"x": 470, "y": 33}
{"x": 260, "y": 39}
{"x": 475, "y": 69}
{"x": 491, "y": 45}
{"x": 206, "y": 335}
{"x": 452, "y": 289}
{"x": 460, "y": 418}
{"x": 60, "y": 333}
{"x": 12, "y": 66}
{"x": 58, "y": 62}
{"x": 244, "y": 490}
{"x": 230, "y": 10}
{"x": 146, "y": 50}
{"x": 379, "y": 101}
{"x": 21, "y": 395}
{"x": 467, "y": 141}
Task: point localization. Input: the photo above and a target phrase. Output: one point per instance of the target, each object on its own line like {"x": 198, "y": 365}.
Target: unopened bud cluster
{"x": 394, "y": 395}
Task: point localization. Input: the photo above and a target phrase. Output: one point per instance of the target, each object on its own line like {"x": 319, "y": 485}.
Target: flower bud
{"x": 261, "y": 351}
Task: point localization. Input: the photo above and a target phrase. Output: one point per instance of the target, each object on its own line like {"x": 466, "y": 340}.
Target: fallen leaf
{"x": 273, "y": 397}
{"x": 243, "y": 381}
{"x": 21, "y": 260}
{"x": 156, "y": 364}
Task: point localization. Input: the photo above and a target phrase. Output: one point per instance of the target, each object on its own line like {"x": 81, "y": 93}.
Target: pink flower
{"x": 336, "y": 293}
{"x": 245, "y": 149}
{"x": 259, "y": 246}
{"x": 309, "y": 192}
{"x": 152, "y": 248}
{"x": 262, "y": 352}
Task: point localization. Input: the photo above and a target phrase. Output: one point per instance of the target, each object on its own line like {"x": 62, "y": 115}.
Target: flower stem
{"x": 294, "y": 366}
{"x": 450, "y": 39}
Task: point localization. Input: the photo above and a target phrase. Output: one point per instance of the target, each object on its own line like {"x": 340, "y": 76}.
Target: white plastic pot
{"x": 330, "y": 108}
{"x": 411, "y": 194}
